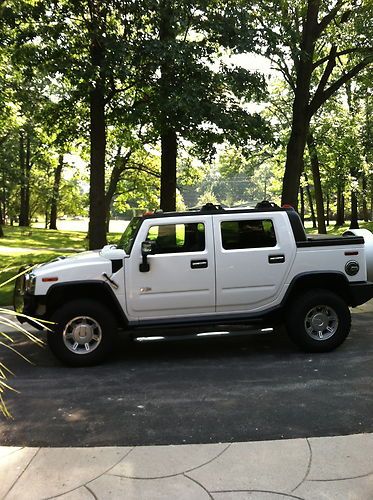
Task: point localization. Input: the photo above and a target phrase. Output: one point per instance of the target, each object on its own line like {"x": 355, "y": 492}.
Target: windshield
{"x": 128, "y": 237}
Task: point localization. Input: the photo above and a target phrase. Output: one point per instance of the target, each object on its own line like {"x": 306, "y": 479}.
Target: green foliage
{"x": 234, "y": 179}
{"x": 187, "y": 79}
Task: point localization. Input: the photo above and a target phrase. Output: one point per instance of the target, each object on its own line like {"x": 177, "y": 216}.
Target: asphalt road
{"x": 253, "y": 388}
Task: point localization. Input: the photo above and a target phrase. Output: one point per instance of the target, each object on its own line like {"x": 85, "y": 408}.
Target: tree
{"x": 337, "y": 142}
{"x": 315, "y": 165}
{"x": 134, "y": 178}
{"x": 189, "y": 93}
{"x": 317, "y": 48}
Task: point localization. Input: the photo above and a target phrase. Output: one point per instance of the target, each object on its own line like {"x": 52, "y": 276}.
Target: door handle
{"x": 276, "y": 259}
{"x": 198, "y": 264}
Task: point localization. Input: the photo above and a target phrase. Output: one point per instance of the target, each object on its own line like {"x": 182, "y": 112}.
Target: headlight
{"x": 30, "y": 280}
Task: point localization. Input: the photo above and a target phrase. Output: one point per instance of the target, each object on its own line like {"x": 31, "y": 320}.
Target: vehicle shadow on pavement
{"x": 207, "y": 390}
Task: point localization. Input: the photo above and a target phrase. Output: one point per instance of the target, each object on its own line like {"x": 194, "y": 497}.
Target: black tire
{"x": 316, "y": 310}
{"x": 82, "y": 318}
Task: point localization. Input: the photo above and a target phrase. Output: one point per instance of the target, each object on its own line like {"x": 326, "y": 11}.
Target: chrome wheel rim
{"x": 321, "y": 322}
{"x": 82, "y": 335}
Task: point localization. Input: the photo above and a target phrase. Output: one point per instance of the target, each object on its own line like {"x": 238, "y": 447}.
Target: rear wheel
{"x": 318, "y": 321}
{"x": 83, "y": 333}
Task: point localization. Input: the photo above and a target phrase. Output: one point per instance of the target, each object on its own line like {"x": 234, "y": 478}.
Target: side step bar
{"x": 202, "y": 335}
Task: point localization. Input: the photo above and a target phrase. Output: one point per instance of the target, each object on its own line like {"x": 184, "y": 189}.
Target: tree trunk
{"x": 28, "y": 174}
{"x": 97, "y": 222}
{"x": 1, "y": 222}
{"x": 340, "y": 217}
{"x": 116, "y": 173}
{"x": 354, "y": 224}
{"x": 310, "y": 202}
{"x": 327, "y": 209}
{"x": 55, "y": 193}
{"x": 97, "y": 226}
{"x": 315, "y": 165}
{"x": 4, "y": 198}
{"x": 114, "y": 179}
{"x": 167, "y": 35}
{"x": 294, "y": 165}
{"x": 168, "y": 170}
{"x": 301, "y": 204}
{"x": 2, "y": 212}
{"x": 23, "y": 213}
{"x": 365, "y": 196}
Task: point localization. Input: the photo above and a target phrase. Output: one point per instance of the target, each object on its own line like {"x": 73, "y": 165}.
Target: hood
{"x": 79, "y": 267}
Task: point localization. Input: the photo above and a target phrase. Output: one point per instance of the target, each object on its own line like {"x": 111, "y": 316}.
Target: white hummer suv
{"x": 213, "y": 266}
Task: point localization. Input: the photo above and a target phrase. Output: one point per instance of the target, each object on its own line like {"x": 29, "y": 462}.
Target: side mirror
{"x": 147, "y": 248}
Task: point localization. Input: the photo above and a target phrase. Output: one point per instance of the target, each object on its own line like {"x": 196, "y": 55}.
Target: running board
{"x": 203, "y": 335}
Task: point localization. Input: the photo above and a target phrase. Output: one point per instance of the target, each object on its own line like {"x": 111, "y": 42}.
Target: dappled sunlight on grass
{"x": 35, "y": 238}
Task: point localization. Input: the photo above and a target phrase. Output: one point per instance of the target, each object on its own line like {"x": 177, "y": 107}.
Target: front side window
{"x": 241, "y": 234}
{"x": 128, "y": 237}
{"x": 177, "y": 238}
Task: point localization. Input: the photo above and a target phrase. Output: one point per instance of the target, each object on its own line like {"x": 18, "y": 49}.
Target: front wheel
{"x": 318, "y": 321}
{"x": 83, "y": 333}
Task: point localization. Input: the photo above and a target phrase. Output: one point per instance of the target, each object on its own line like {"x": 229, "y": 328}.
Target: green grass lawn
{"x": 42, "y": 238}
{"x": 338, "y": 230}
{"x": 40, "y": 245}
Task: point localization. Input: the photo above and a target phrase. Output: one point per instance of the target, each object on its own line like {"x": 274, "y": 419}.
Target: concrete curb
{"x": 338, "y": 467}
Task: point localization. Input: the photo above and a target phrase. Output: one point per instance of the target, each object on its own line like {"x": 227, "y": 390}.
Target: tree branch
{"x": 327, "y": 72}
{"x": 328, "y": 18}
{"x": 189, "y": 23}
{"x": 338, "y": 54}
{"x": 114, "y": 91}
{"x": 141, "y": 168}
{"x": 283, "y": 68}
{"x": 318, "y": 100}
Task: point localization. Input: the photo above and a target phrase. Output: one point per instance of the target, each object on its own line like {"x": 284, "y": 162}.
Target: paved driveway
{"x": 205, "y": 391}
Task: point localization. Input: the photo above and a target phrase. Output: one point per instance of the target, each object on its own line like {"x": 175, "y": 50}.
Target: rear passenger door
{"x": 254, "y": 252}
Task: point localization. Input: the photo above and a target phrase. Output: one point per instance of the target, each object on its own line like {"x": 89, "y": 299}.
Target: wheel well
{"x": 333, "y": 282}
{"x": 99, "y": 291}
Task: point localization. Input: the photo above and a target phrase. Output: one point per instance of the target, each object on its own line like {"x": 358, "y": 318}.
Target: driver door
{"x": 181, "y": 278}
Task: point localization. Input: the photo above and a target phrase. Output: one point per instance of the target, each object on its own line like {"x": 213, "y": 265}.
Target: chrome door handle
{"x": 198, "y": 264}
{"x": 276, "y": 259}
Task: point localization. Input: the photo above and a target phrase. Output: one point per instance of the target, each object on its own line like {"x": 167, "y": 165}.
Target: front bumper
{"x": 24, "y": 303}
{"x": 360, "y": 292}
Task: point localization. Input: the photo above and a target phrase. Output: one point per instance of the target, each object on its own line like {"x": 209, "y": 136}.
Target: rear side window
{"x": 174, "y": 238}
{"x": 257, "y": 233}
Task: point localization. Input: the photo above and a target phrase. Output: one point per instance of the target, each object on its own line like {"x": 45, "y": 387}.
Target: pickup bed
{"x": 211, "y": 266}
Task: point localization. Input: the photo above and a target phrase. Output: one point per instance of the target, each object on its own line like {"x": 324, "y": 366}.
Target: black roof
{"x": 158, "y": 215}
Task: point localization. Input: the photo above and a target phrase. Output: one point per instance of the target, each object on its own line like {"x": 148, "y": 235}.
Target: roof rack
{"x": 266, "y": 204}
{"x": 210, "y": 207}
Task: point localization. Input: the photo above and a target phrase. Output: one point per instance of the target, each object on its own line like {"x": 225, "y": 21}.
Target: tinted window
{"x": 247, "y": 234}
{"x": 173, "y": 238}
